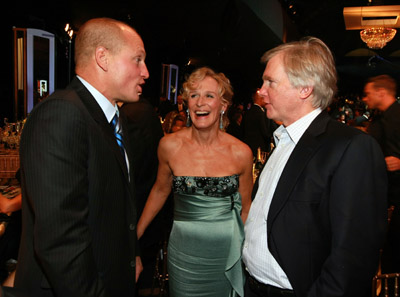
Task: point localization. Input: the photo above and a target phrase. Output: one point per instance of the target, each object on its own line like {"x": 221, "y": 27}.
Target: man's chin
{"x": 270, "y": 115}
{"x": 129, "y": 100}
{"x": 135, "y": 97}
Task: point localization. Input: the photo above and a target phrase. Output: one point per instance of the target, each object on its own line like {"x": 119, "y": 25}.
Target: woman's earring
{"x": 187, "y": 118}
{"x": 221, "y": 120}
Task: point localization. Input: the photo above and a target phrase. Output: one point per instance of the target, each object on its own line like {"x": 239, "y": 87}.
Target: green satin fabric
{"x": 204, "y": 251}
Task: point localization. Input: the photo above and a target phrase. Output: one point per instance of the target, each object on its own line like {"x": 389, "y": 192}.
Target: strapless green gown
{"x": 204, "y": 249}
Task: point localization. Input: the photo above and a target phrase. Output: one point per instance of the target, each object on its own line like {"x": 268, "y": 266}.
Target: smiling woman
{"x": 205, "y": 105}
{"x": 206, "y": 91}
{"x": 210, "y": 173}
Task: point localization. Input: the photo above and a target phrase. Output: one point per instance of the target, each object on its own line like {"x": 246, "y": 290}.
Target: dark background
{"x": 226, "y": 35}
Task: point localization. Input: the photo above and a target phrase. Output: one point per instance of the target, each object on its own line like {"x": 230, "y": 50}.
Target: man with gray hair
{"x": 318, "y": 220}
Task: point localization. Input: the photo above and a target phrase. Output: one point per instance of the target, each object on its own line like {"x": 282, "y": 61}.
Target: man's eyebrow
{"x": 266, "y": 77}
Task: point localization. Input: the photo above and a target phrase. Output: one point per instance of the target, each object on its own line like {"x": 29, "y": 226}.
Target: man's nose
{"x": 145, "y": 72}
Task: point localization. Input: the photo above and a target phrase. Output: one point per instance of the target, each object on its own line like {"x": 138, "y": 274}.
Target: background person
{"x": 318, "y": 219}
{"x": 256, "y": 127}
{"x": 210, "y": 172}
{"x": 173, "y": 122}
{"x": 78, "y": 204}
{"x": 180, "y": 105}
{"x": 380, "y": 92}
{"x": 145, "y": 132}
{"x": 10, "y": 230}
{"x": 235, "y": 116}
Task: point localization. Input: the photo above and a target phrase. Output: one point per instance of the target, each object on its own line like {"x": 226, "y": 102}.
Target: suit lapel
{"x": 304, "y": 150}
{"x": 97, "y": 114}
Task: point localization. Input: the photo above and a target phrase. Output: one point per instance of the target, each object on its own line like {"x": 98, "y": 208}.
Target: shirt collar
{"x": 262, "y": 108}
{"x": 105, "y": 105}
{"x": 297, "y": 129}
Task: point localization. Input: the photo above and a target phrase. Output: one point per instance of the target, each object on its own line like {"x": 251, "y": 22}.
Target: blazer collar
{"x": 97, "y": 114}
{"x": 302, "y": 153}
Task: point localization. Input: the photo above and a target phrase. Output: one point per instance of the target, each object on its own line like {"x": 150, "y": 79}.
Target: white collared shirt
{"x": 259, "y": 261}
{"x": 105, "y": 105}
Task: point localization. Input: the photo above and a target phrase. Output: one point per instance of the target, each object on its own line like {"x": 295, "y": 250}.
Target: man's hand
{"x": 139, "y": 267}
{"x": 392, "y": 163}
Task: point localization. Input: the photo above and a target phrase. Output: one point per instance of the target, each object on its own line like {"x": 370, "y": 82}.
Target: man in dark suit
{"x": 380, "y": 94}
{"x": 145, "y": 132}
{"x": 256, "y": 127}
{"x": 78, "y": 202}
{"x": 318, "y": 219}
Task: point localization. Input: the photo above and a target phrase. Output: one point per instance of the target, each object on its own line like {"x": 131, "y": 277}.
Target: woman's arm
{"x": 246, "y": 180}
{"x": 160, "y": 191}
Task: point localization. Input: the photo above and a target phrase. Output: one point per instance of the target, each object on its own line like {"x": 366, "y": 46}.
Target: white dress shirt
{"x": 259, "y": 261}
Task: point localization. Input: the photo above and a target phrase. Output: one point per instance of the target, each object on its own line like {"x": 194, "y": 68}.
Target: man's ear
{"x": 101, "y": 56}
{"x": 305, "y": 92}
{"x": 381, "y": 92}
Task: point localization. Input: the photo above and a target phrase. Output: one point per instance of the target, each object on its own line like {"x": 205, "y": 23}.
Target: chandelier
{"x": 376, "y": 38}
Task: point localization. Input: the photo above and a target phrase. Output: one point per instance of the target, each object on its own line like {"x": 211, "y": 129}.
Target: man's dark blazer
{"x": 327, "y": 218}
{"x": 145, "y": 132}
{"x": 257, "y": 129}
{"x": 79, "y": 214}
{"x": 385, "y": 128}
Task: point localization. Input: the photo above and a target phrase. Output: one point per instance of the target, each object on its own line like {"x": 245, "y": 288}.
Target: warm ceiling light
{"x": 377, "y": 38}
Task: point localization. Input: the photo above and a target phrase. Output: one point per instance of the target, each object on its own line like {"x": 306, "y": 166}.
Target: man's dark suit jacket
{"x": 385, "y": 128}
{"x": 257, "y": 129}
{"x": 79, "y": 214}
{"x": 145, "y": 132}
{"x": 328, "y": 215}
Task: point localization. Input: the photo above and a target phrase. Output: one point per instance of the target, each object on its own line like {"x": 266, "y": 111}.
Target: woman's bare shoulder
{"x": 239, "y": 152}
{"x": 237, "y": 145}
{"x": 173, "y": 141}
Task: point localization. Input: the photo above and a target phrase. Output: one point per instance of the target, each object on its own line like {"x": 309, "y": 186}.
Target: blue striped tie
{"x": 118, "y": 134}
